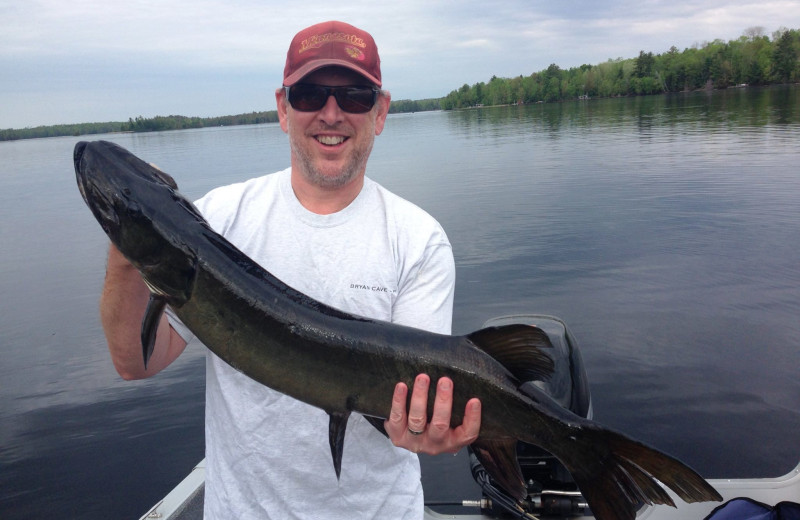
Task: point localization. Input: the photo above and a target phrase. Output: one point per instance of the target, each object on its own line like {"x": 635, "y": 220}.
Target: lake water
{"x": 664, "y": 230}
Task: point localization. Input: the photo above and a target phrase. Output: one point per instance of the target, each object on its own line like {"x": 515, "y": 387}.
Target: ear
{"x": 384, "y": 100}
{"x": 280, "y": 99}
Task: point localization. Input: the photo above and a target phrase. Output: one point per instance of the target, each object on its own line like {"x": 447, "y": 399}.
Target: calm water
{"x": 664, "y": 230}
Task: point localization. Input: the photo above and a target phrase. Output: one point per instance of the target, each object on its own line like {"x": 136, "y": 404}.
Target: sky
{"x": 75, "y": 61}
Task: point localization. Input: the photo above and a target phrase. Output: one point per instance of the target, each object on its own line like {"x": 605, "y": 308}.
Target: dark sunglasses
{"x": 306, "y": 97}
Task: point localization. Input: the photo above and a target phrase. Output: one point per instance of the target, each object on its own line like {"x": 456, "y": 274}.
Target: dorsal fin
{"x": 519, "y": 348}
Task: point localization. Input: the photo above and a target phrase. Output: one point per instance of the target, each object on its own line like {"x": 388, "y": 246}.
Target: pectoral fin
{"x": 336, "y": 430}
{"x": 152, "y": 317}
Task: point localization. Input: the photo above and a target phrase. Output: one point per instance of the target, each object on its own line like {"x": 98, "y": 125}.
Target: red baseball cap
{"x": 332, "y": 44}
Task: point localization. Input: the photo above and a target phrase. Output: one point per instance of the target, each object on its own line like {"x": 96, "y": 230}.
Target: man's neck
{"x": 325, "y": 200}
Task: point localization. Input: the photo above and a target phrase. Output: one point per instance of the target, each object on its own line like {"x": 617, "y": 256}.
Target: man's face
{"x": 330, "y": 147}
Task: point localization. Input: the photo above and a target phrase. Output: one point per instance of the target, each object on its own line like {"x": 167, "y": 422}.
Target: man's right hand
{"x": 413, "y": 432}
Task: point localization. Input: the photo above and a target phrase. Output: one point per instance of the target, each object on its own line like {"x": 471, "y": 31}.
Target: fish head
{"x": 139, "y": 208}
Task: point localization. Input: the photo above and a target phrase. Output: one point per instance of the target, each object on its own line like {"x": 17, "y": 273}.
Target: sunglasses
{"x": 306, "y": 97}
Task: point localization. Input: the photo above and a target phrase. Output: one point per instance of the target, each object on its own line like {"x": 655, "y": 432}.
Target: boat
{"x": 185, "y": 501}
{"x": 552, "y": 494}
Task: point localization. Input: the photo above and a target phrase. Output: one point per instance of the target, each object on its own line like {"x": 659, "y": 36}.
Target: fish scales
{"x": 356, "y": 357}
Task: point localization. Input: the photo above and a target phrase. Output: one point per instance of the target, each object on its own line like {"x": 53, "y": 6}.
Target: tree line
{"x": 420, "y": 105}
{"x": 753, "y": 59}
{"x": 140, "y": 124}
{"x": 61, "y": 130}
{"x": 159, "y": 123}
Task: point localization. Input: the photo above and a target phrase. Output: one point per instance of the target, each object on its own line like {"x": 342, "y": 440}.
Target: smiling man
{"x": 327, "y": 230}
{"x": 330, "y": 146}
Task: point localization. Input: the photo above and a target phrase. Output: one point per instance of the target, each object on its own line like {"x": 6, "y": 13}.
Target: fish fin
{"x": 617, "y": 475}
{"x": 163, "y": 176}
{"x": 377, "y": 422}
{"x": 152, "y": 317}
{"x": 499, "y": 458}
{"x": 519, "y": 348}
{"x": 336, "y": 430}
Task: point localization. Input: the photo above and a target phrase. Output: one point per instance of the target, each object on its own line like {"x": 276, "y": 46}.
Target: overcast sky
{"x": 73, "y": 61}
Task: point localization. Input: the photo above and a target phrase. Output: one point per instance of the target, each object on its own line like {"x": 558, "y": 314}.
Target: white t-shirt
{"x": 267, "y": 454}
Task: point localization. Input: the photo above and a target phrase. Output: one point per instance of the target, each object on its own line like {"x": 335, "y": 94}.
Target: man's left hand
{"x": 413, "y": 432}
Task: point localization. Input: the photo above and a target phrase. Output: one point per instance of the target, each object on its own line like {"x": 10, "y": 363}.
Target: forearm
{"x": 122, "y": 307}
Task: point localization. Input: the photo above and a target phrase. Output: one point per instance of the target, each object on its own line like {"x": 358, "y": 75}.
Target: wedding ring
{"x": 413, "y": 432}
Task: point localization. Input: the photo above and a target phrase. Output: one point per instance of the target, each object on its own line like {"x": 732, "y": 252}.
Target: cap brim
{"x": 308, "y": 68}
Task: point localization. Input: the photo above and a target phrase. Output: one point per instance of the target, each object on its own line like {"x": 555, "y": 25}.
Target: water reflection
{"x": 694, "y": 112}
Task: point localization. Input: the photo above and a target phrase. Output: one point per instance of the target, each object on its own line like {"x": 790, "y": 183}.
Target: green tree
{"x": 784, "y": 57}
{"x": 644, "y": 65}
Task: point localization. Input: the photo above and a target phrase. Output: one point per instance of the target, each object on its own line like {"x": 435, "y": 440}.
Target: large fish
{"x": 343, "y": 363}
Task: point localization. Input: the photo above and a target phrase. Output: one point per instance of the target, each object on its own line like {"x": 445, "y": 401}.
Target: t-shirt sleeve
{"x": 425, "y": 301}
{"x": 176, "y": 323}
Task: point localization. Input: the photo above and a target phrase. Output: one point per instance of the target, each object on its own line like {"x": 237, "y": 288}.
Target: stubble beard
{"x": 354, "y": 166}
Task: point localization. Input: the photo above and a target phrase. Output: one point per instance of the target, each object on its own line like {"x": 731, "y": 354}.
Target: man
{"x": 327, "y": 230}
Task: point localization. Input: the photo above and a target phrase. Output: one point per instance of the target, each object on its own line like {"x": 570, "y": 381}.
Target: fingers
{"x": 469, "y": 429}
{"x": 418, "y": 408}
{"x": 413, "y": 432}
{"x": 443, "y": 438}
{"x": 396, "y": 424}
{"x": 439, "y": 428}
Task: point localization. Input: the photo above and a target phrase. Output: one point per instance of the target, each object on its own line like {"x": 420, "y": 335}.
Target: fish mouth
{"x": 99, "y": 200}
{"x": 77, "y": 155}
{"x": 104, "y": 208}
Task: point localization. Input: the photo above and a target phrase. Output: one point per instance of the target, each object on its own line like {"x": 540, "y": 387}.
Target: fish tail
{"x": 617, "y": 475}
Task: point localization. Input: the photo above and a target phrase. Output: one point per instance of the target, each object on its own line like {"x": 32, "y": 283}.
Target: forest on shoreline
{"x": 753, "y": 59}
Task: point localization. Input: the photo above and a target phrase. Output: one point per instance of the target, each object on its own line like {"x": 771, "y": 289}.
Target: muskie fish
{"x": 343, "y": 363}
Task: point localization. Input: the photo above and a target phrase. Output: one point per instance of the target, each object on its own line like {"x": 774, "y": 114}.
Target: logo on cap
{"x": 318, "y": 40}
{"x": 354, "y": 53}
